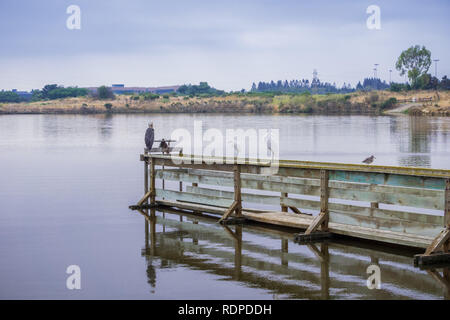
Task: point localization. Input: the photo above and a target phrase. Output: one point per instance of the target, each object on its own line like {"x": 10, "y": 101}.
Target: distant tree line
{"x": 10, "y": 96}
{"x": 300, "y": 86}
{"x": 202, "y": 89}
{"x": 372, "y": 84}
{"x": 53, "y": 91}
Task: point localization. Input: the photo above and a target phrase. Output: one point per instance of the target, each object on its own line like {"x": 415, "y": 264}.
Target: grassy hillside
{"x": 353, "y": 103}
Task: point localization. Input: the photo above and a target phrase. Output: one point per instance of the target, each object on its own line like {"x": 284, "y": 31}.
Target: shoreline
{"x": 358, "y": 103}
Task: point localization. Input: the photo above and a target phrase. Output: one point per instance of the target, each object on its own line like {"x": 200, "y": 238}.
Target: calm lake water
{"x": 66, "y": 182}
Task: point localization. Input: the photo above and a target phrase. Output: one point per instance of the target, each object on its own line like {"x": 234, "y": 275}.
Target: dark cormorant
{"x": 164, "y": 146}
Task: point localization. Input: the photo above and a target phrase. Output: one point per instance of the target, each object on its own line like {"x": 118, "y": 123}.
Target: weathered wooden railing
{"x": 405, "y": 206}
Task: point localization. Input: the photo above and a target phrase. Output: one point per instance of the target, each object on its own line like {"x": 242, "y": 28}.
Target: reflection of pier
{"x": 322, "y": 271}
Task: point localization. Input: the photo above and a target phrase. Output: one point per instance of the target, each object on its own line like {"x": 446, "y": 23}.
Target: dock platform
{"x": 393, "y": 205}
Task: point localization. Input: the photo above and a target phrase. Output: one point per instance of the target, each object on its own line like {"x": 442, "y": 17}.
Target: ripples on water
{"x": 67, "y": 180}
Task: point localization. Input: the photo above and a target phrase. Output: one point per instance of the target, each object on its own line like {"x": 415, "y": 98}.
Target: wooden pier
{"x": 394, "y": 205}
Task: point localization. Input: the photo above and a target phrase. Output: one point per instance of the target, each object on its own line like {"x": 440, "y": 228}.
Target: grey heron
{"x": 149, "y": 136}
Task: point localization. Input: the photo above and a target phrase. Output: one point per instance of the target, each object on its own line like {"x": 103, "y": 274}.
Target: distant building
{"x": 23, "y": 94}
{"x": 121, "y": 89}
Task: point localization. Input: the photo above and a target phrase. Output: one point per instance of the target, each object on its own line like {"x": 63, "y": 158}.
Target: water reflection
{"x": 413, "y": 137}
{"x": 105, "y": 126}
{"x": 266, "y": 259}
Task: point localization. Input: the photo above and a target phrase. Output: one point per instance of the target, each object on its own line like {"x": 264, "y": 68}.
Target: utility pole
{"x": 390, "y": 76}
{"x": 375, "y": 70}
{"x": 435, "y": 67}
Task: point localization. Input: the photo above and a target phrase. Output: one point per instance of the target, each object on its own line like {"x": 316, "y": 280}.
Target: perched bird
{"x": 369, "y": 160}
{"x": 268, "y": 139}
{"x": 149, "y": 136}
{"x": 163, "y": 145}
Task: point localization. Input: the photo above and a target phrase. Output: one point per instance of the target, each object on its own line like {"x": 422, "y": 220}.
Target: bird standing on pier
{"x": 268, "y": 139}
{"x": 149, "y": 136}
{"x": 164, "y": 146}
{"x": 369, "y": 160}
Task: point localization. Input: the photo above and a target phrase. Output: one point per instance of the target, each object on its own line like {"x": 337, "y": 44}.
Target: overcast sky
{"x": 228, "y": 43}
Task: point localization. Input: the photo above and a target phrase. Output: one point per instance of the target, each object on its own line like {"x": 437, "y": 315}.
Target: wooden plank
{"x": 414, "y": 197}
{"x": 194, "y": 198}
{"x": 302, "y": 222}
{"x": 403, "y": 226}
{"x": 310, "y": 165}
{"x": 246, "y": 197}
{"x": 436, "y": 221}
{"x": 369, "y": 178}
{"x": 333, "y": 184}
{"x": 167, "y": 150}
{"x": 293, "y": 220}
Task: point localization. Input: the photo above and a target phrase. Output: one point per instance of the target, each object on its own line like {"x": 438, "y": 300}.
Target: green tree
{"x": 104, "y": 92}
{"x": 9, "y": 96}
{"x": 415, "y": 61}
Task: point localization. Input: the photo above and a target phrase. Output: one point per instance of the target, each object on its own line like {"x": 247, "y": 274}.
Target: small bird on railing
{"x": 369, "y": 160}
{"x": 149, "y": 136}
{"x": 164, "y": 146}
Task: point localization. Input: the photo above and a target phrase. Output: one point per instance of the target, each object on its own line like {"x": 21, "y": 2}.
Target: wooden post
{"x": 163, "y": 182}
{"x": 284, "y": 251}
{"x": 146, "y": 178}
{"x": 145, "y": 173}
{"x": 181, "y": 186}
{"x": 153, "y": 231}
{"x": 238, "y": 252}
{"x": 237, "y": 190}
{"x": 325, "y": 271}
{"x": 152, "y": 182}
{"x": 284, "y": 208}
{"x": 324, "y": 194}
{"x": 321, "y": 220}
{"x": 447, "y": 204}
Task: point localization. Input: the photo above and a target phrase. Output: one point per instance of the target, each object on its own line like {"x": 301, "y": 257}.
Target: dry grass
{"x": 125, "y": 104}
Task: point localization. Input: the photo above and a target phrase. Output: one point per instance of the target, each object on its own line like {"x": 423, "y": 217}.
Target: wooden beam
{"x": 447, "y": 204}
{"x": 284, "y": 208}
{"x": 438, "y": 242}
{"x": 145, "y": 177}
{"x": 229, "y": 211}
{"x": 152, "y": 182}
{"x": 237, "y": 190}
{"x": 317, "y": 222}
{"x": 403, "y": 196}
{"x": 144, "y": 198}
{"x": 295, "y": 210}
